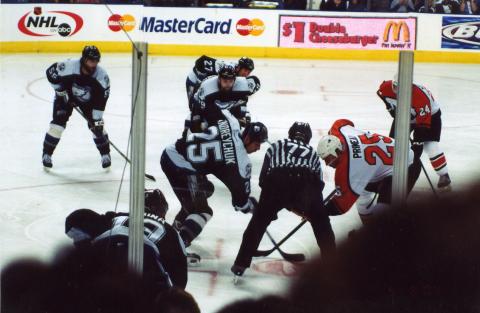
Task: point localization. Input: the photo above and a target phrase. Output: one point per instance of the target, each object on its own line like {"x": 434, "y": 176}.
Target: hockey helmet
{"x": 256, "y": 131}
{"x": 85, "y": 224}
{"x": 300, "y": 131}
{"x": 247, "y": 63}
{"x": 155, "y": 202}
{"x": 91, "y": 53}
{"x": 227, "y": 72}
{"x": 329, "y": 145}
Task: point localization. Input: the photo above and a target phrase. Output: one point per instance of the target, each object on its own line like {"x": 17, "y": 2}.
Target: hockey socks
{"x": 52, "y": 137}
{"x": 102, "y": 143}
{"x": 193, "y": 226}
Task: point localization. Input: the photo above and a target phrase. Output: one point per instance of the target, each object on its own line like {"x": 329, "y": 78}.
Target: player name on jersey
{"x": 227, "y": 142}
{"x": 356, "y": 148}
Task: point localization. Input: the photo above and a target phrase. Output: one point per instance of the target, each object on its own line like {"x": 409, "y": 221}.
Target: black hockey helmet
{"x": 247, "y": 63}
{"x": 227, "y": 72}
{"x": 300, "y": 131}
{"x": 155, "y": 202}
{"x": 91, "y": 52}
{"x": 256, "y": 131}
{"x": 88, "y": 222}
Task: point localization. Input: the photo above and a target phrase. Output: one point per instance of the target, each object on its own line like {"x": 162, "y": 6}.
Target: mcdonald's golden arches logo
{"x": 394, "y": 28}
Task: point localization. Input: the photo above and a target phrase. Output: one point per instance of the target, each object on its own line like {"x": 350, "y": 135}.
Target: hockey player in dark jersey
{"x": 206, "y": 66}
{"x": 290, "y": 178}
{"x": 87, "y": 228}
{"x": 222, "y": 150}
{"x": 83, "y": 84}
{"x": 225, "y": 91}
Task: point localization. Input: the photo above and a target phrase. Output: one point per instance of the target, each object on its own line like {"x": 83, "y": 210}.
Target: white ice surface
{"x": 34, "y": 204}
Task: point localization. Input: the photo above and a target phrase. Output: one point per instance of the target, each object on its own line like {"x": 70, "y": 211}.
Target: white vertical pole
{"x": 402, "y": 129}
{"x": 137, "y": 168}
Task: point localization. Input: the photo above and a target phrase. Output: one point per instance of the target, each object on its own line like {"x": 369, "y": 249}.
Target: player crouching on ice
{"x": 291, "y": 178}
{"x": 222, "y": 150}
{"x": 80, "y": 83}
{"x": 363, "y": 163}
{"x": 165, "y": 259}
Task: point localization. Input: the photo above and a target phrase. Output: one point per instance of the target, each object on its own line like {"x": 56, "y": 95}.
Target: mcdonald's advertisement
{"x": 373, "y": 33}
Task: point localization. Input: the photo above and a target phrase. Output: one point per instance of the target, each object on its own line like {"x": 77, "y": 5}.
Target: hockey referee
{"x": 290, "y": 178}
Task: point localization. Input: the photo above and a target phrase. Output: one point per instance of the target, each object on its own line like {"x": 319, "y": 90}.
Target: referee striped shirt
{"x": 288, "y": 153}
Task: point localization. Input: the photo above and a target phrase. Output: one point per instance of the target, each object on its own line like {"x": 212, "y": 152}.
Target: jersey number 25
{"x": 373, "y": 152}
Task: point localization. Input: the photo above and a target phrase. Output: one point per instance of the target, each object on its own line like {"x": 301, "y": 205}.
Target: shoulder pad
{"x": 68, "y": 67}
{"x": 209, "y": 85}
{"x": 241, "y": 84}
{"x": 102, "y": 77}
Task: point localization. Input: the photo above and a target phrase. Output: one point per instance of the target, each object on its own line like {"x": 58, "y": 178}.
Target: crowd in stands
{"x": 466, "y": 7}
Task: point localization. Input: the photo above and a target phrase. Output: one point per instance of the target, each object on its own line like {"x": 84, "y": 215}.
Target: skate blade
{"x": 47, "y": 169}
{"x": 236, "y": 279}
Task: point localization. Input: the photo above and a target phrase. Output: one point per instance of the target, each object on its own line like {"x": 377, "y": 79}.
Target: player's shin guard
{"x": 52, "y": 137}
{"x": 193, "y": 226}
{"x": 102, "y": 143}
{"x": 437, "y": 157}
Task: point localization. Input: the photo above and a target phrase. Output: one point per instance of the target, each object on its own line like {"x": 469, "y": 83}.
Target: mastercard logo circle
{"x": 116, "y": 22}
{"x": 254, "y": 27}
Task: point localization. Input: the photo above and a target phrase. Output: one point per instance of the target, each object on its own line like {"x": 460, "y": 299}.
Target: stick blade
{"x": 293, "y": 257}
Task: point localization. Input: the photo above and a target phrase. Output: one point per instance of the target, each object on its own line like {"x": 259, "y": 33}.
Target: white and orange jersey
{"x": 367, "y": 158}
{"x": 423, "y": 103}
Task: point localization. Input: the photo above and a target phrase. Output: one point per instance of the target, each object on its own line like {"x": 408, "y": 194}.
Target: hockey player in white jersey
{"x": 363, "y": 163}
{"x": 225, "y": 91}
{"x": 206, "y": 66}
{"x": 84, "y": 84}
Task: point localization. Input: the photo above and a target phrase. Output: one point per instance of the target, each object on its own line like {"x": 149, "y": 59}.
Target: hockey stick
{"x": 425, "y": 171}
{"x": 114, "y": 146}
{"x": 291, "y": 257}
{"x": 428, "y": 178}
{"x": 263, "y": 253}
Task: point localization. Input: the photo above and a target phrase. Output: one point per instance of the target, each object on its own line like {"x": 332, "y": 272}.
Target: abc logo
{"x": 64, "y": 30}
{"x": 116, "y": 22}
{"x": 254, "y": 27}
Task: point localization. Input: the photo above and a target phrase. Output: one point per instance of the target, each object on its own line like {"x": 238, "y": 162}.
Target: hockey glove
{"x": 417, "y": 148}
{"x": 251, "y": 204}
{"x": 63, "y": 95}
{"x": 96, "y": 126}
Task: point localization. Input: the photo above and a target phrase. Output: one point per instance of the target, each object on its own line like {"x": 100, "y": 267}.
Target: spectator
{"x": 420, "y": 6}
{"x": 402, "y": 6}
{"x": 295, "y": 4}
{"x": 267, "y": 304}
{"x": 79, "y": 280}
{"x": 357, "y": 6}
{"x": 448, "y": 7}
{"x": 175, "y": 301}
{"x": 380, "y": 5}
{"x": 333, "y": 5}
{"x": 468, "y": 7}
{"x": 423, "y": 258}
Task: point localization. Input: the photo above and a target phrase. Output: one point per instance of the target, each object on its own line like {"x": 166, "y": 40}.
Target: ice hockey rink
{"x": 34, "y": 203}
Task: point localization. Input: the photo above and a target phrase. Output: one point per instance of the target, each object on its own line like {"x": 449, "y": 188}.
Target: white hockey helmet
{"x": 328, "y": 145}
